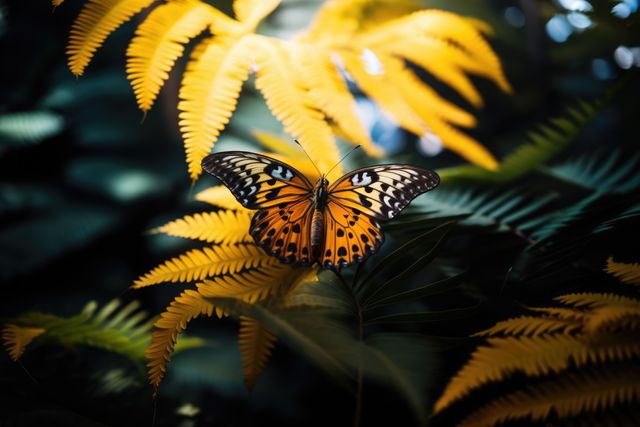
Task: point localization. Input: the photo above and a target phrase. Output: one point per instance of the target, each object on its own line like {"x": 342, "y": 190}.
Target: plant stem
{"x": 357, "y": 416}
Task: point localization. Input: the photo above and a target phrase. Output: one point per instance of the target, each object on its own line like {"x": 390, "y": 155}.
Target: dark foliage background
{"x": 77, "y": 198}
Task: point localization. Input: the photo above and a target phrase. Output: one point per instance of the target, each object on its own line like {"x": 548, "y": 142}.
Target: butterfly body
{"x": 333, "y": 225}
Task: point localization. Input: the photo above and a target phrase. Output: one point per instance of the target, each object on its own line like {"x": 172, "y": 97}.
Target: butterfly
{"x": 334, "y": 225}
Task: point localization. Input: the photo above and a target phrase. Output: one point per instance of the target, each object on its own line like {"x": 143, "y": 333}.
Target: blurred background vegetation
{"x": 83, "y": 177}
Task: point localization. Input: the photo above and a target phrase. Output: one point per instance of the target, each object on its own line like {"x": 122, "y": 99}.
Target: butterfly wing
{"x": 362, "y": 198}
{"x": 280, "y": 192}
{"x": 258, "y": 181}
{"x": 283, "y": 231}
{"x": 381, "y": 192}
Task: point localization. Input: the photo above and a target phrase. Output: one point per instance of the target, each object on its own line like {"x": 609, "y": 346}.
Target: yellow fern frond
{"x": 566, "y": 396}
{"x": 612, "y": 318}
{"x": 626, "y": 273}
{"x": 377, "y": 87}
{"x": 96, "y": 21}
{"x": 255, "y": 343}
{"x": 251, "y": 286}
{"x": 159, "y": 41}
{"x": 337, "y": 21}
{"x": 591, "y": 300}
{"x": 534, "y": 356}
{"x": 424, "y": 100}
{"x": 209, "y": 94}
{"x": 332, "y": 94}
{"x": 225, "y": 227}
{"x": 560, "y": 312}
{"x": 220, "y": 196}
{"x": 184, "y": 308}
{"x": 198, "y": 264}
{"x": 531, "y": 326}
{"x": 443, "y": 61}
{"x": 286, "y": 93}
{"x": 17, "y": 338}
{"x": 56, "y": 3}
{"x": 251, "y": 12}
{"x": 444, "y": 26}
{"x": 276, "y": 143}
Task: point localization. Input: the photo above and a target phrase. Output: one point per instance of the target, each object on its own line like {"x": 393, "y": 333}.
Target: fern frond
{"x": 377, "y": 87}
{"x": 612, "y": 172}
{"x": 283, "y": 150}
{"x": 256, "y": 344}
{"x": 30, "y": 126}
{"x": 220, "y": 196}
{"x": 17, "y": 338}
{"x": 184, "y": 308}
{"x": 224, "y": 227}
{"x": 56, "y": 3}
{"x": 255, "y": 285}
{"x": 251, "y": 12}
{"x": 544, "y": 143}
{"x": 592, "y": 300}
{"x": 159, "y": 41}
{"x": 568, "y": 395}
{"x": 285, "y": 90}
{"x": 96, "y": 21}
{"x": 332, "y": 94}
{"x": 531, "y": 326}
{"x": 535, "y": 356}
{"x": 198, "y": 264}
{"x": 561, "y": 312}
{"x": 626, "y": 273}
{"x": 209, "y": 94}
{"x": 611, "y": 318}
{"x": 440, "y": 25}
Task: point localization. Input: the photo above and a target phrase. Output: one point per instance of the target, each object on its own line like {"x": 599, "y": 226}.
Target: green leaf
{"x": 426, "y": 316}
{"x": 412, "y": 295}
{"x": 426, "y": 244}
{"x": 28, "y": 127}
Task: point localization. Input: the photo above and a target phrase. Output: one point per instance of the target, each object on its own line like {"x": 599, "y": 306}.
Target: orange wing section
{"x": 351, "y": 236}
{"x": 283, "y": 231}
{"x": 258, "y": 181}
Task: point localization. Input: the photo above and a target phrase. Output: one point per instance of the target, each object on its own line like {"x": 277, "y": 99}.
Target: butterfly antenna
{"x": 309, "y": 157}
{"x": 343, "y": 157}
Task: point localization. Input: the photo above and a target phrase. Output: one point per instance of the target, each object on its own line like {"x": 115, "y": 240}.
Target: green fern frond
{"x": 626, "y": 273}
{"x": 29, "y": 127}
{"x": 532, "y": 326}
{"x": 534, "y": 356}
{"x": 545, "y": 142}
{"x": 612, "y": 172}
{"x": 630, "y": 214}
{"x": 184, "y": 308}
{"x": 256, "y": 344}
{"x": 566, "y": 396}
{"x": 96, "y": 21}
{"x": 198, "y": 264}
{"x": 223, "y": 227}
{"x": 116, "y": 328}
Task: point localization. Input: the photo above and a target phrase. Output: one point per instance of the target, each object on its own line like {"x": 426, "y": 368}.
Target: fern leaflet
{"x": 626, "y": 273}
{"x": 17, "y": 338}
{"x": 223, "y": 227}
{"x": 255, "y": 343}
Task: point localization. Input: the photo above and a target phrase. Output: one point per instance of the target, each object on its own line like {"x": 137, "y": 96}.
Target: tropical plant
{"x": 302, "y": 80}
{"x": 579, "y": 358}
{"x": 116, "y": 328}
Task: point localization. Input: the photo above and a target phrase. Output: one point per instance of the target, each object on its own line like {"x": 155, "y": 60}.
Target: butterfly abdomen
{"x": 317, "y": 231}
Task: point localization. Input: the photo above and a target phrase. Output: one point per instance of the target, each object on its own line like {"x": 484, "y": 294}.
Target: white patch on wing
{"x": 282, "y": 173}
{"x": 361, "y": 179}
{"x": 387, "y": 200}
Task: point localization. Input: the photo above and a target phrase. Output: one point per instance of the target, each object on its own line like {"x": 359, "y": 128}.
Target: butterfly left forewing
{"x": 382, "y": 191}
{"x": 257, "y": 181}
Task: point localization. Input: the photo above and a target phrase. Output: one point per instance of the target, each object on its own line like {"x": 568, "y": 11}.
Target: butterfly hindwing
{"x": 283, "y": 231}
{"x": 258, "y": 181}
{"x": 381, "y": 192}
{"x": 350, "y": 236}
